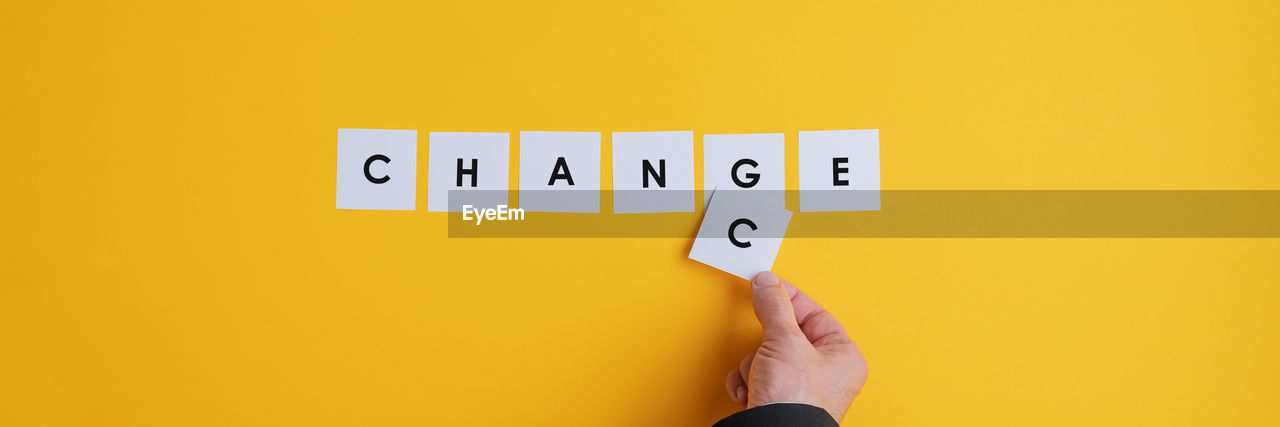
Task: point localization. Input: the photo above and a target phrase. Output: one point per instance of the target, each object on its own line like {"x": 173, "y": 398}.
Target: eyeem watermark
{"x": 500, "y": 213}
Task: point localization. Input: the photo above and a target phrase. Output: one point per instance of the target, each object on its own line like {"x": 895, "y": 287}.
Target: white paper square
{"x": 391, "y": 179}
{"x": 728, "y": 208}
{"x": 850, "y": 156}
{"x": 539, "y": 154}
{"x": 669, "y": 155}
{"x": 767, "y": 150}
{"x": 489, "y": 152}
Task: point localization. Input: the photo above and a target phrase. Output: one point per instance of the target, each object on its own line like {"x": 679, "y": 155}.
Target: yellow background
{"x": 171, "y": 254}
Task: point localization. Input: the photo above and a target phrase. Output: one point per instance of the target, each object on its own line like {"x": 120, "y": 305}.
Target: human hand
{"x": 805, "y": 357}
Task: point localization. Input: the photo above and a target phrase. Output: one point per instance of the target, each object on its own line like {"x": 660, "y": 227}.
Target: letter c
{"x": 734, "y": 239}
{"x": 370, "y": 177}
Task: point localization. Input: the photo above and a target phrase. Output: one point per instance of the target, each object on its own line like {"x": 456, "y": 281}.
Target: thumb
{"x": 772, "y": 305}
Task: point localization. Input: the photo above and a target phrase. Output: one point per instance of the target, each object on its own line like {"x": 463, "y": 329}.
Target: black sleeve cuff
{"x": 780, "y": 415}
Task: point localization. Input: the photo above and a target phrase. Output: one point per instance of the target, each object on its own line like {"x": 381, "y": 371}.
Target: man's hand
{"x": 806, "y": 357}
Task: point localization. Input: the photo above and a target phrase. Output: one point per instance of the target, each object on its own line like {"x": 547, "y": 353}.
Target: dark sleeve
{"x": 780, "y": 415}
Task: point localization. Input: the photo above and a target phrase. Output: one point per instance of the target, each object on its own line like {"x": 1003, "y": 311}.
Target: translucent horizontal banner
{"x": 910, "y": 214}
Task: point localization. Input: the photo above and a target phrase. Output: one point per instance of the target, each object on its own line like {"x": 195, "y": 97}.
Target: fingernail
{"x": 741, "y": 393}
{"x": 765, "y": 278}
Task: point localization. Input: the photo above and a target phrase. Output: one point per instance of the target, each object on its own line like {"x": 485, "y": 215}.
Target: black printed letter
{"x": 368, "y": 176}
{"x": 475, "y": 167}
{"x": 836, "y": 170}
{"x": 646, "y": 169}
{"x": 556, "y": 174}
{"x": 754, "y": 177}
{"x": 733, "y": 239}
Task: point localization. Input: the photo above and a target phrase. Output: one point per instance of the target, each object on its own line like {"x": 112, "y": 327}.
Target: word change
{"x": 653, "y": 172}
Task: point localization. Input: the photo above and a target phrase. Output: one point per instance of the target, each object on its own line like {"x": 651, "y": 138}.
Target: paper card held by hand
{"x": 741, "y": 232}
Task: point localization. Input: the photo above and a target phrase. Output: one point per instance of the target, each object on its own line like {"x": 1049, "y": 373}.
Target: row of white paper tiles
{"x": 377, "y": 168}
